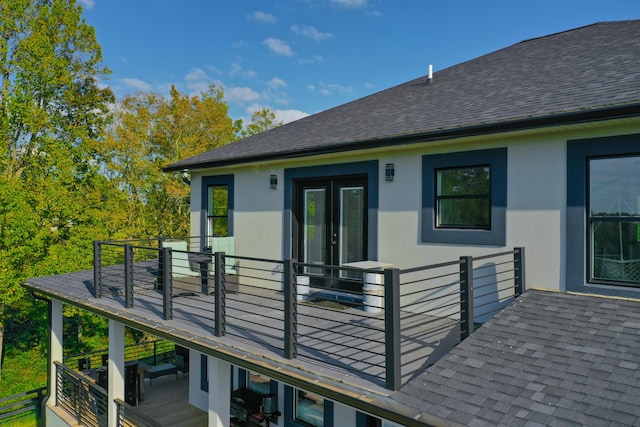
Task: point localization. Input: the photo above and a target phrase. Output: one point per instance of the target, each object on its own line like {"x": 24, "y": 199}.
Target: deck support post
{"x": 393, "y": 364}
{"x": 466, "y": 297}
{"x": 219, "y": 294}
{"x": 115, "y": 388}
{"x": 97, "y": 269}
{"x": 518, "y": 268}
{"x": 290, "y": 311}
{"x": 167, "y": 283}
{"x": 128, "y": 276}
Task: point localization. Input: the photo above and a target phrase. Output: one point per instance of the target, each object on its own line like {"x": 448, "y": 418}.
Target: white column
{"x": 55, "y": 345}
{"x": 116, "y": 369}
{"x": 219, "y": 377}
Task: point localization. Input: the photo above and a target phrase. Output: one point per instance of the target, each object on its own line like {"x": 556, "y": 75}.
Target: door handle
{"x": 334, "y": 237}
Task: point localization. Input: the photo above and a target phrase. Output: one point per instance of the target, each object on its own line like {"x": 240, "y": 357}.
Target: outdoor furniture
{"x": 130, "y": 384}
{"x": 160, "y": 371}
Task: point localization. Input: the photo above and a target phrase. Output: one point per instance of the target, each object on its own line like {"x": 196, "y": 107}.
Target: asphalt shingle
{"x": 592, "y": 68}
{"x": 594, "y": 381}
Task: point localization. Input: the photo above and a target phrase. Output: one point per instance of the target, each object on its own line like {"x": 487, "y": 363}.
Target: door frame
{"x": 332, "y": 237}
{"x": 368, "y": 168}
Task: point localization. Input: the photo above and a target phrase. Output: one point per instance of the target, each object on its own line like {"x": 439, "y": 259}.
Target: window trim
{"x": 289, "y": 410}
{"x": 208, "y": 181}
{"x": 579, "y": 151}
{"x": 496, "y": 159}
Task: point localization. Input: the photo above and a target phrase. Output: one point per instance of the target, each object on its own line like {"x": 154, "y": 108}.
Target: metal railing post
{"x": 518, "y": 268}
{"x": 290, "y": 311}
{"x": 97, "y": 269}
{"x": 167, "y": 283}
{"x": 128, "y": 276}
{"x": 466, "y": 297}
{"x": 219, "y": 296}
{"x": 393, "y": 377}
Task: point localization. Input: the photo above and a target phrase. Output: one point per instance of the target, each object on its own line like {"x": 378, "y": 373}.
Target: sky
{"x": 299, "y": 57}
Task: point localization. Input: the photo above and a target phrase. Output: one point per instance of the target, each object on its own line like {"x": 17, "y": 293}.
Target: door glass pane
{"x": 614, "y": 209}
{"x": 314, "y": 228}
{"x": 351, "y": 227}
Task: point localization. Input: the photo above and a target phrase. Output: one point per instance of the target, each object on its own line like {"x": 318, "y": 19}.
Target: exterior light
{"x": 389, "y": 172}
{"x": 273, "y": 181}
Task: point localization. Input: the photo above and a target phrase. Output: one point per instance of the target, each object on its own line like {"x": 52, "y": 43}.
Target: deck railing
{"x": 80, "y": 397}
{"x": 380, "y": 330}
{"x": 128, "y": 416}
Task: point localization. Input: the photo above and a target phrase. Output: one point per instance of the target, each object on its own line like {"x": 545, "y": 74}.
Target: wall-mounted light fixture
{"x": 273, "y": 181}
{"x": 389, "y": 172}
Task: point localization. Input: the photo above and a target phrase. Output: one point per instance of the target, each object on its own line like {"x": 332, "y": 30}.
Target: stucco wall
{"x": 536, "y": 202}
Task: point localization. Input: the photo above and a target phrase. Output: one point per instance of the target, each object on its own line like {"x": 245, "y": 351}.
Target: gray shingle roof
{"x": 548, "y": 359}
{"x": 557, "y": 77}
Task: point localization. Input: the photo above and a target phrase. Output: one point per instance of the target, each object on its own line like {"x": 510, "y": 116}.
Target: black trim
{"x": 207, "y": 181}
{"x": 600, "y": 114}
{"x": 495, "y": 158}
{"x": 579, "y": 152}
{"x": 368, "y": 168}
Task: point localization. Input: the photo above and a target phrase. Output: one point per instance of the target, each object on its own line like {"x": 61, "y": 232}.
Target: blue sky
{"x": 299, "y": 57}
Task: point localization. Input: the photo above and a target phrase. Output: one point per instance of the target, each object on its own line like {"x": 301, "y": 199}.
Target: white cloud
{"x": 330, "y": 88}
{"x": 239, "y": 44}
{"x": 279, "y": 47}
{"x": 351, "y": 3}
{"x": 310, "y": 32}
{"x": 276, "y": 82}
{"x": 237, "y": 70}
{"x": 88, "y": 4}
{"x": 288, "y": 116}
{"x": 264, "y": 17}
{"x": 241, "y": 95}
{"x": 137, "y": 84}
{"x": 198, "y": 80}
{"x": 284, "y": 116}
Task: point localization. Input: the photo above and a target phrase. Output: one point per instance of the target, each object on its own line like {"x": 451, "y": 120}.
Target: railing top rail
{"x": 498, "y": 254}
{"x": 146, "y": 420}
{"x": 95, "y": 388}
{"x": 431, "y": 267}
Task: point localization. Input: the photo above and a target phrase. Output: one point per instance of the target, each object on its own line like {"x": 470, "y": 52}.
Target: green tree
{"x": 52, "y": 110}
{"x": 149, "y": 132}
{"x": 261, "y": 120}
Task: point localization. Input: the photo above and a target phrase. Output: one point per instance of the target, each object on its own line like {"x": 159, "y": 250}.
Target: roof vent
{"x": 430, "y": 75}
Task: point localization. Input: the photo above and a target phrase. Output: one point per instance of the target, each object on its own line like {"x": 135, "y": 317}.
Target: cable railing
{"x": 382, "y": 324}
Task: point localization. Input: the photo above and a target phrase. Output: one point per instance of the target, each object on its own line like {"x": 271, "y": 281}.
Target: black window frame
{"x": 579, "y": 153}
{"x": 208, "y": 181}
{"x": 495, "y": 235}
{"x": 441, "y": 198}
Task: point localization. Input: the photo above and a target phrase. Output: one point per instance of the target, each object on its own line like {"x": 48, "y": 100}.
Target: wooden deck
{"x": 166, "y": 401}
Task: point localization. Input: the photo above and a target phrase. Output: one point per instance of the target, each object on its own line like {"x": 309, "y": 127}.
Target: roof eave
{"x": 563, "y": 119}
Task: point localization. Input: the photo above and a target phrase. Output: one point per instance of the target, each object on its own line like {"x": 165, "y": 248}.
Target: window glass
{"x": 614, "y": 215}
{"x": 258, "y": 383}
{"x": 309, "y": 408}
{"x": 218, "y": 210}
{"x": 463, "y": 197}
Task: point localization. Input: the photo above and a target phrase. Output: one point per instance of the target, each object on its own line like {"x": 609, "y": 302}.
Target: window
{"x": 218, "y": 210}
{"x": 308, "y": 408}
{"x": 603, "y": 186}
{"x": 614, "y": 219}
{"x": 258, "y": 383}
{"x": 217, "y": 206}
{"x": 464, "y": 197}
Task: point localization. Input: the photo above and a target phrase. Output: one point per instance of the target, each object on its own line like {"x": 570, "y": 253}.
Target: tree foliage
{"x": 52, "y": 109}
{"x": 149, "y": 132}
{"x": 261, "y": 121}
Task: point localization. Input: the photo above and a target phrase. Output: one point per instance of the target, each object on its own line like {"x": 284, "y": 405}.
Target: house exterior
{"x": 534, "y": 146}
